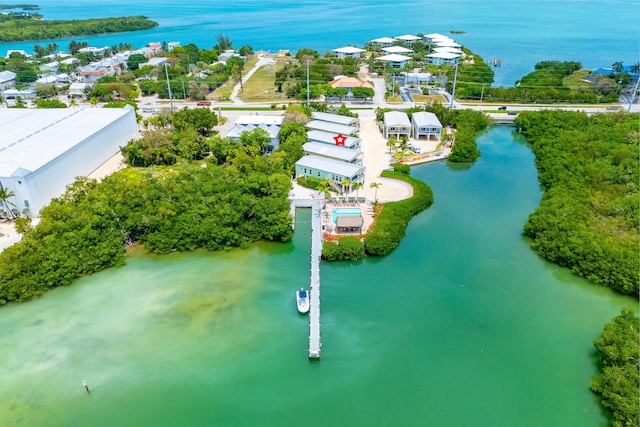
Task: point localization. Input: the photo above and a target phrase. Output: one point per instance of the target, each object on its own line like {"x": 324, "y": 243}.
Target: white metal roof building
{"x": 396, "y": 123}
{"x": 397, "y": 49}
{"x": 348, "y": 52}
{"x": 247, "y": 123}
{"x": 335, "y": 118}
{"x": 328, "y": 138}
{"x": 395, "y": 60}
{"x": 334, "y": 128}
{"x": 333, "y": 152}
{"x": 407, "y": 38}
{"x": 335, "y": 170}
{"x": 44, "y": 150}
{"x": 442, "y": 58}
{"x": 426, "y": 124}
{"x": 384, "y": 41}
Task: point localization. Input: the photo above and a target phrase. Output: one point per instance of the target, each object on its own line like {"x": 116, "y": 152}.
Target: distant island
{"x": 23, "y": 26}
{"x": 457, "y": 32}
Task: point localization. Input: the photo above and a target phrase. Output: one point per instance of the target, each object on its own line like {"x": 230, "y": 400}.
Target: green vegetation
{"x": 468, "y": 123}
{"x": 589, "y": 216}
{"x": 15, "y": 29}
{"x": 550, "y": 82}
{"x": 619, "y": 381}
{"x": 344, "y": 249}
{"x": 392, "y": 222}
{"x": 232, "y": 198}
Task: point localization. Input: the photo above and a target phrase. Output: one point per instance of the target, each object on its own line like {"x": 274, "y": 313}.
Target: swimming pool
{"x": 336, "y": 212}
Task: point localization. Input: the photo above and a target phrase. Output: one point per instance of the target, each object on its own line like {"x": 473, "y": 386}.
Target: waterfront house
{"x": 18, "y": 51}
{"x": 333, "y": 152}
{"x": 397, "y": 49}
{"x": 407, "y": 38}
{"x": 329, "y": 138}
{"x": 348, "y": 52}
{"x": 396, "y": 123}
{"x": 49, "y": 67}
{"x": 335, "y": 118}
{"x": 426, "y": 124}
{"x": 383, "y": 41}
{"x": 336, "y": 170}
{"x": 334, "y": 128}
{"x": 442, "y": 58}
{"x": 394, "y": 60}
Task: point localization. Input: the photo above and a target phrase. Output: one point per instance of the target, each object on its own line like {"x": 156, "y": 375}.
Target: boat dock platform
{"x": 315, "y": 346}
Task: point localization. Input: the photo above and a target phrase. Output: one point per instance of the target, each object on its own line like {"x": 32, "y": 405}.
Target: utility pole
{"x": 453, "y": 92}
{"x": 481, "y": 94}
{"x": 166, "y": 72}
{"x": 184, "y": 94}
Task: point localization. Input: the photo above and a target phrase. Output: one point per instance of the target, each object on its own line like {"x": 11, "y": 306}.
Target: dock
{"x": 316, "y": 205}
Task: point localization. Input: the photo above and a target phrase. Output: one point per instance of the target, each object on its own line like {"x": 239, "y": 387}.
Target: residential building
{"x": 78, "y": 90}
{"x": 426, "y": 124}
{"x": 335, "y": 170}
{"x": 155, "y": 62}
{"x": 442, "y": 58}
{"x": 7, "y": 79}
{"x": 330, "y": 139}
{"x": 397, "y": 49}
{"x": 417, "y": 78}
{"x": 408, "y": 38}
{"x": 50, "y": 67}
{"x": 383, "y": 41}
{"x": 335, "y": 118}
{"x": 394, "y": 60}
{"x": 171, "y": 45}
{"x": 348, "y": 52}
{"x": 333, "y": 152}
{"x": 349, "y": 83}
{"x": 396, "y": 123}
{"x": 270, "y": 124}
{"x": 334, "y": 128}
{"x": 19, "y": 51}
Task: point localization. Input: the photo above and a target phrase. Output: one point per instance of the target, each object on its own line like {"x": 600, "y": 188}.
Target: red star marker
{"x": 340, "y": 139}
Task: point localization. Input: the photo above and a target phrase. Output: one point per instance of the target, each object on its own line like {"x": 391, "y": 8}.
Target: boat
{"x": 302, "y": 299}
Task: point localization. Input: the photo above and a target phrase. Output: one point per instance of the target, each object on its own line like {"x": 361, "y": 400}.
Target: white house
{"x": 394, "y": 60}
{"x": 20, "y": 51}
{"x": 44, "y": 150}
{"x": 407, "y": 38}
{"x": 226, "y": 55}
{"x": 426, "y": 124}
{"x": 78, "y": 90}
{"x": 396, "y": 123}
{"x": 433, "y": 37}
{"x": 334, "y": 128}
{"x": 335, "y": 118}
{"x": 442, "y": 58}
{"x": 155, "y": 62}
{"x": 447, "y": 43}
{"x": 94, "y": 50}
{"x": 383, "y": 41}
{"x": 171, "y": 45}
{"x": 397, "y": 49}
{"x": 7, "y": 79}
{"x": 332, "y": 139}
{"x": 447, "y": 50}
{"x": 417, "y": 78}
{"x": 50, "y": 67}
{"x": 336, "y": 170}
{"x": 334, "y": 152}
{"x": 348, "y": 52}
{"x": 247, "y": 123}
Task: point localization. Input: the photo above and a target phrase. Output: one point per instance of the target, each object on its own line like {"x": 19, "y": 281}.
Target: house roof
{"x": 349, "y": 221}
{"x": 7, "y": 76}
{"x": 350, "y": 82}
{"x": 155, "y": 61}
{"x": 335, "y": 167}
{"x": 396, "y": 49}
{"x": 407, "y": 38}
{"x": 327, "y": 138}
{"x": 396, "y": 118}
{"x": 31, "y": 138}
{"x": 259, "y": 119}
{"x": 433, "y": 36}
{"x": 424, "y": 118}
{"x": 394, "y": 57}
{"x": 447, "y": 43}
{"x": 333, "y": 151}
{"x": 447, "y": 50}
{"x": 384, "y": 40}
{"x": 348, "y": 49}
{"x": 334, "y": 118}
{"x": 272, "y": 130}
{"x": 444, "y": 55}
{"x": 334, "y": 128}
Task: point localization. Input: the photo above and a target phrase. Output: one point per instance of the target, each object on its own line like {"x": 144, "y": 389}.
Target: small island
{"x": 24, "y": 26}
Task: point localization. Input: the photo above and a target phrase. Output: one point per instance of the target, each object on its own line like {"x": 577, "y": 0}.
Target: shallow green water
{"x": 462, "y": 325}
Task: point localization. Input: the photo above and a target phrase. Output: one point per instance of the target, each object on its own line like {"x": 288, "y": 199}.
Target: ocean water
{"x": 461, "y": 325}
{"x": 519, "y": 32}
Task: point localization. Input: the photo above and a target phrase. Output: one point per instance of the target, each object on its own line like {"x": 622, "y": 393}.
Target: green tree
{"x": 616, "y": 67}
{"x": 375, "y": 186}
{"x": 223, "y": 43}
{"x": 200, "y": 119}
{"x": 134, "y": 61}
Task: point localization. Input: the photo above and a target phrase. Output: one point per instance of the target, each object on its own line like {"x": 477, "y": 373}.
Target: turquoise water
{"x": 520, "y": 33}
{"x": 461, "y": 325}
{"x": 344, "y": 212}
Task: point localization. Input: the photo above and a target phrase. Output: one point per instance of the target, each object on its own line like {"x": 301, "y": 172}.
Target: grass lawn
{"x": 576, "y": 81}
{"x": 261, "y": 85}
{"x": 428, "y": 98}
{"x": 224, "y": 91}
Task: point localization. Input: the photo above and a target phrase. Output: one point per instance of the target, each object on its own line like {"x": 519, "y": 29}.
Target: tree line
{"x": 588, "y": 219}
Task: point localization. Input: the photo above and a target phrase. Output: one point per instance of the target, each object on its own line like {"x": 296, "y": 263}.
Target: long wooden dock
{"x": 315, "y": 346}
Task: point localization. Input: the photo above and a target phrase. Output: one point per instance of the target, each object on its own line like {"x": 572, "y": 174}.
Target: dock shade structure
{"x": 333, "y": 152}
{"x": 334, "y": 128}
{"x": 396, "y": 123}
{"x": 335, "y": 118}
{"x": 349, "y": 224}
{"x": 426, "y": 124}
{"x": 335, "y": 170}
{"x": 329, "y": 138}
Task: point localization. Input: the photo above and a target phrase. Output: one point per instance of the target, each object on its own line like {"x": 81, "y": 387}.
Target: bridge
{"x": 315, "y": 346}
{"x": 502, "y": 119}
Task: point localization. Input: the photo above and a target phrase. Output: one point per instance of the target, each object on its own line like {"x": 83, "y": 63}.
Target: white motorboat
{"x": 302, "y": 299}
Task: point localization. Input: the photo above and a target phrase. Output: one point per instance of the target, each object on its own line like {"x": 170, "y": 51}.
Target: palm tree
{"x": 391, "y": 143}
{"x": 93, "y": 101}
{"x": 404, "y": 144}
{"x": 5, "y": 195}
{"x": 73, "y": 103}
{"x": 616, "y": 67}
{"x": 635, "y": 68}
{"x": 375, "y": 185}
{"x": 345, "y": 183}
{"x": 357, "y": 186}
{"x": 325, "y": 186}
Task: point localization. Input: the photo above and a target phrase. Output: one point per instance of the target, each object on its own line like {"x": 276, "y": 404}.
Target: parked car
{"x": 502, "y": 108}
{"x": 203, "y": 104}
{"x": 148, "y": 110}
{"x": 512, "y": 113}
